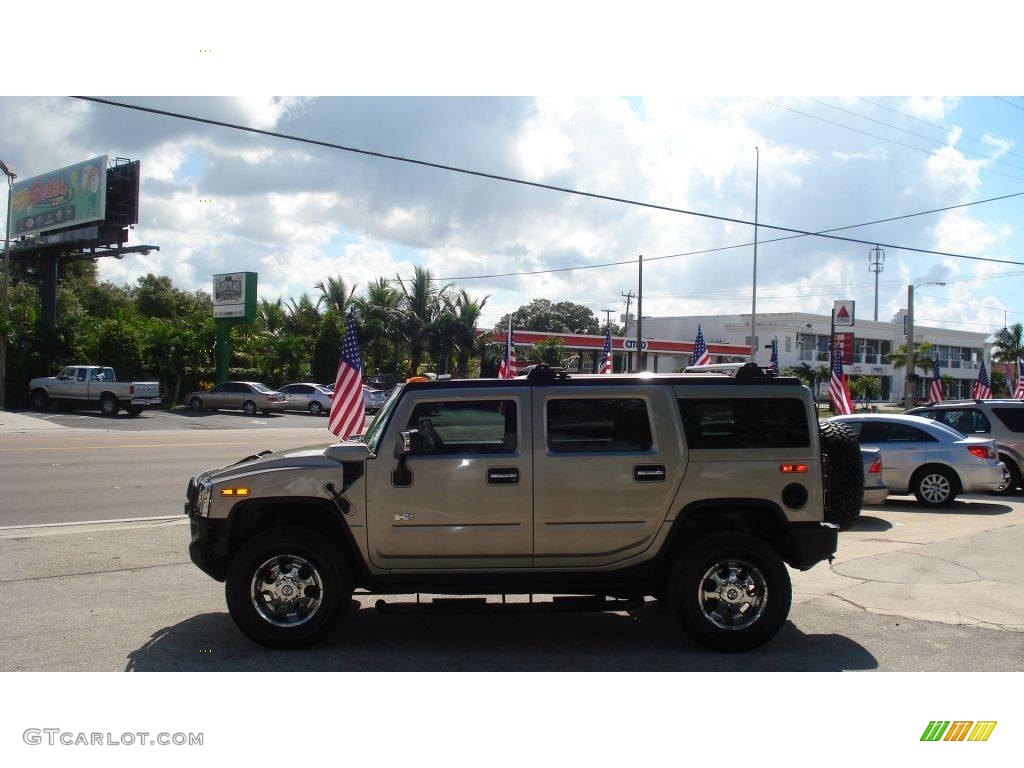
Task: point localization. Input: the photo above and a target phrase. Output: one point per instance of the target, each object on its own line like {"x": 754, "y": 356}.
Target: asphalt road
{"x": 179, "y": 418}
{"x": 71, "y": 475}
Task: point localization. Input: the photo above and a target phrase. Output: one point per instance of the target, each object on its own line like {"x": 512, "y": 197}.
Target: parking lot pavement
{"x": 178, "y": 418}
{"x": 911, "y": 589}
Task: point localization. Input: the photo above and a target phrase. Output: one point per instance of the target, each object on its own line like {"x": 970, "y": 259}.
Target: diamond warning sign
{"x": 842, "y": 312}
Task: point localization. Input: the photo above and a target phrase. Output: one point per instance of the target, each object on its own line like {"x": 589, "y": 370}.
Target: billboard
{"x": 234, "y": 295}
{"x": 842, "y": 312}
{"x": 67, "y": 197}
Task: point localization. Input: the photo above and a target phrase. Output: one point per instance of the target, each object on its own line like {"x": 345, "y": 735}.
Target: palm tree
{"x": 923, "y": 357}
{"x": 1009, "y": 346}
{"x": 420, "y": 307}
{"x": 380, "y": 325}
{"x": 335, "y": 294}
{"x": 467, "y": 339}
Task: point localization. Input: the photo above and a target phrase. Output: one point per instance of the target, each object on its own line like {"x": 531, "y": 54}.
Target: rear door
{"x": 904, "y": 448}
{"x": 469, "y": 500}
{"x": 607, "y": 463}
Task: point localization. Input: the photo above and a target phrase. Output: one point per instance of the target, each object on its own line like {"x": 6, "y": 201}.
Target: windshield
{"x": 263, "y": 389}
{"x": 376, "y": 431}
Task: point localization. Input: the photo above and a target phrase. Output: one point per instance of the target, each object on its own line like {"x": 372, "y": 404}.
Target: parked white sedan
{"x": 927, "y": 458}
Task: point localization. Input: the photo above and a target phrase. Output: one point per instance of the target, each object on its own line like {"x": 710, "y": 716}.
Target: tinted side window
{"x": 291, "y": 389}
{"x": 465, "y": 427}
{"x": 303, "y": 389}
{"x": 81, "y": 374}
{"x": 966, "y": 421}
{"x": 1013, "y": 418}
{"x": 607, "y": 424}
{"x": 884, "y": 432}
{"x": 745, "y": 423}
{"x": 239, "y": 388}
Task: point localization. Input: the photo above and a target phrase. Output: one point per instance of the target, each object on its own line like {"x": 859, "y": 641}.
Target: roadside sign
{"x": 234, "y": 296}
{"x": 842, "y": 312}
{"x": 843, "y": 343}
{"x": 631, "y": 344}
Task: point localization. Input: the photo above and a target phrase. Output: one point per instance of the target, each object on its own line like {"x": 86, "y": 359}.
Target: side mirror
{"x": 401, "y": 476}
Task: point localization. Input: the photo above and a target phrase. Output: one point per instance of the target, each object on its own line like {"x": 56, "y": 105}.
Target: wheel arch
{"x": 759, "y": 517}
{"x": 916, "y": 474}
{"x": 253, "y": 516}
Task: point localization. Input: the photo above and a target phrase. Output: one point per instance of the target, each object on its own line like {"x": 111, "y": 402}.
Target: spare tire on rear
{"x": 845, "y": 473}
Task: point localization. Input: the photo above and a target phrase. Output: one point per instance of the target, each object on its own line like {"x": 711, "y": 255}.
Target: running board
{"x": 558, "y": 604}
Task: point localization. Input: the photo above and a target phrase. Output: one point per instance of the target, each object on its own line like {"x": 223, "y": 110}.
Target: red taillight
{"x": 270, "y": 398}
{"x": 876, "y": 467}
{"x": 982, "y": 451}
{"x": 787, "y": 468}
{"x": 330, "y": 395}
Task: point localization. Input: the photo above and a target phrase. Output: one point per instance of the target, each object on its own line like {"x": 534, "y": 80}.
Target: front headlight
{"x": 205, "y": 497}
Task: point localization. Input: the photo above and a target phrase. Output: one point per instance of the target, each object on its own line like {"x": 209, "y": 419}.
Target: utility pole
{"x": 4, "y": 307}
{"x": 629, "y": 297}
{"x": 876, "y": 264}
{"x": 607, "y": 317}
{"x": 908, "y": 395}
{"x": 753, "y": 305}
{"x": 640, "y": 316}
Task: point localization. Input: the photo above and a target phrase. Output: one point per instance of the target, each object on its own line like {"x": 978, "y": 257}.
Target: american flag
{"x": 935, "y": 391}
{"x": 606, "y": 361}
{"x": 1018, "y": 393}
{"x": 507, "y": 369}
{"x": 842, "y": 405}
{"x": 982, "y": 387}
{"x": 347, "y": 408}
{"x": 773, "y": 363}
{"x": 701, "y": 356}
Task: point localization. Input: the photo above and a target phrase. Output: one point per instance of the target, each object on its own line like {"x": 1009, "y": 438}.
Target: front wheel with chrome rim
{"x": 287, "y": 588}
{"x": 730, "y": 591}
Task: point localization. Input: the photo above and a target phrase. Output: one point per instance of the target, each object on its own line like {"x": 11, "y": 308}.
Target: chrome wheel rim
{"x": 250, "y": 409}
{"x": 315, "y": 409}
{"x": 286, "y": 591}
{"x": 1005, "y": 482}
{"x": 935, "y": 488}
{"x": 732, "y": 594}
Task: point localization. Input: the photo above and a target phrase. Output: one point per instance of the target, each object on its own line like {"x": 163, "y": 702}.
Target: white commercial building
{"x": 803, "y": 338}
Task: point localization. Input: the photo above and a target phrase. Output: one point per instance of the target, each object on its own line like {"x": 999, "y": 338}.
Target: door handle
{"x": 649, "y": 473}
{"x": 502, "y": 476}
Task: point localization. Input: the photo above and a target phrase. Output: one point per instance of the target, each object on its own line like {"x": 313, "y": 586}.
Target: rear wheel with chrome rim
{"x": 1011, "y": 478}
{"x": 287, "y": 588}
{"x": 730, "y": 591}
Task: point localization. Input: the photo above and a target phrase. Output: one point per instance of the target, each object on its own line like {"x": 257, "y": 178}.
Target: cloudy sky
{"x": 297, "y": 213}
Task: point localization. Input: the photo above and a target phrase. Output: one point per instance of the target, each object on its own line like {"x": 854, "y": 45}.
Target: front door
{"x": 466, "y": 500}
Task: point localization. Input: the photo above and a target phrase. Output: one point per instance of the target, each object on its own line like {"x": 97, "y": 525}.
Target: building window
{"x": 598, "y": 424}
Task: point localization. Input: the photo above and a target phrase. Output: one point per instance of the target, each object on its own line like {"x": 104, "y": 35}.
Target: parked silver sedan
{"x": 248, "y": 396}
{"x": 307, "y": 397}
{"x": 926, "y": 458}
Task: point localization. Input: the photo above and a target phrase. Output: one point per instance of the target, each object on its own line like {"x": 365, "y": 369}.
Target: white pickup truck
{"x": 92, "y": 386}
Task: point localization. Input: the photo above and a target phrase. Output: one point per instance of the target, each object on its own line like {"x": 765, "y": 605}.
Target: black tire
{"x": 195, "y": 404}
{"x": 134, "y": 410}
{"x": 109, "y": 406}
{"x": 705, "y": 619}
{"x": 249, "y": 408}
{"x": 315, "y": 408}
{"x": 845, "y": 473}
{"x": 1014, "y": 477}
{"x": 935, "y": 486}
{"x": 289, "y": 544}
{"x": 40, "y": 401}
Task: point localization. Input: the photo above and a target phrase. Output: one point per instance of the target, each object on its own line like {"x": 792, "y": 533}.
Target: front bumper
{"x": 807, "y": 544}
{"x": 208, "y": 546}
{"x": 981, "y": 478}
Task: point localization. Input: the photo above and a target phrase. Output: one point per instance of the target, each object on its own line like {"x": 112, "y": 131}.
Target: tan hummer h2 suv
{"x": 694, "y": 489}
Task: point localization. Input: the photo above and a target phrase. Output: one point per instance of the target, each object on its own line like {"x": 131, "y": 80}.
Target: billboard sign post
{"x": 234, "y": 301}
{"x": 70, "y": 196}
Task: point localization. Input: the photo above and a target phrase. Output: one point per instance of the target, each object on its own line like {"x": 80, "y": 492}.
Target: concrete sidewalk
{"x": 20, "y": 422}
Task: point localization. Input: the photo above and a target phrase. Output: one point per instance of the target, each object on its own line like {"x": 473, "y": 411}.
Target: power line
{"x": 970, "y": 304}
{"x": 737, "y": 245}
{"x": 940, "y": 126}
{"x": 1007, "y": 101}
{"x": 883, "y": 138}
{"x": 523, "y": 182}
{"x": 914, "y": 133}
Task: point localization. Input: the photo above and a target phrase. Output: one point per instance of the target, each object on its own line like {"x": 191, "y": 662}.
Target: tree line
{"x": 154, "y": 330}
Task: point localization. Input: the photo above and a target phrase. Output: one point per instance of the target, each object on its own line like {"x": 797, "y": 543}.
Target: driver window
{"x": 447, "y": 428}
{"x": 67, "y": 374}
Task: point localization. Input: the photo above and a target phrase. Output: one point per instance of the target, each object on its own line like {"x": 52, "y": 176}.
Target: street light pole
{"x": 908, "y": 395}
{"x": 4, "y": 307}
{"x": 753, "y": 302}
